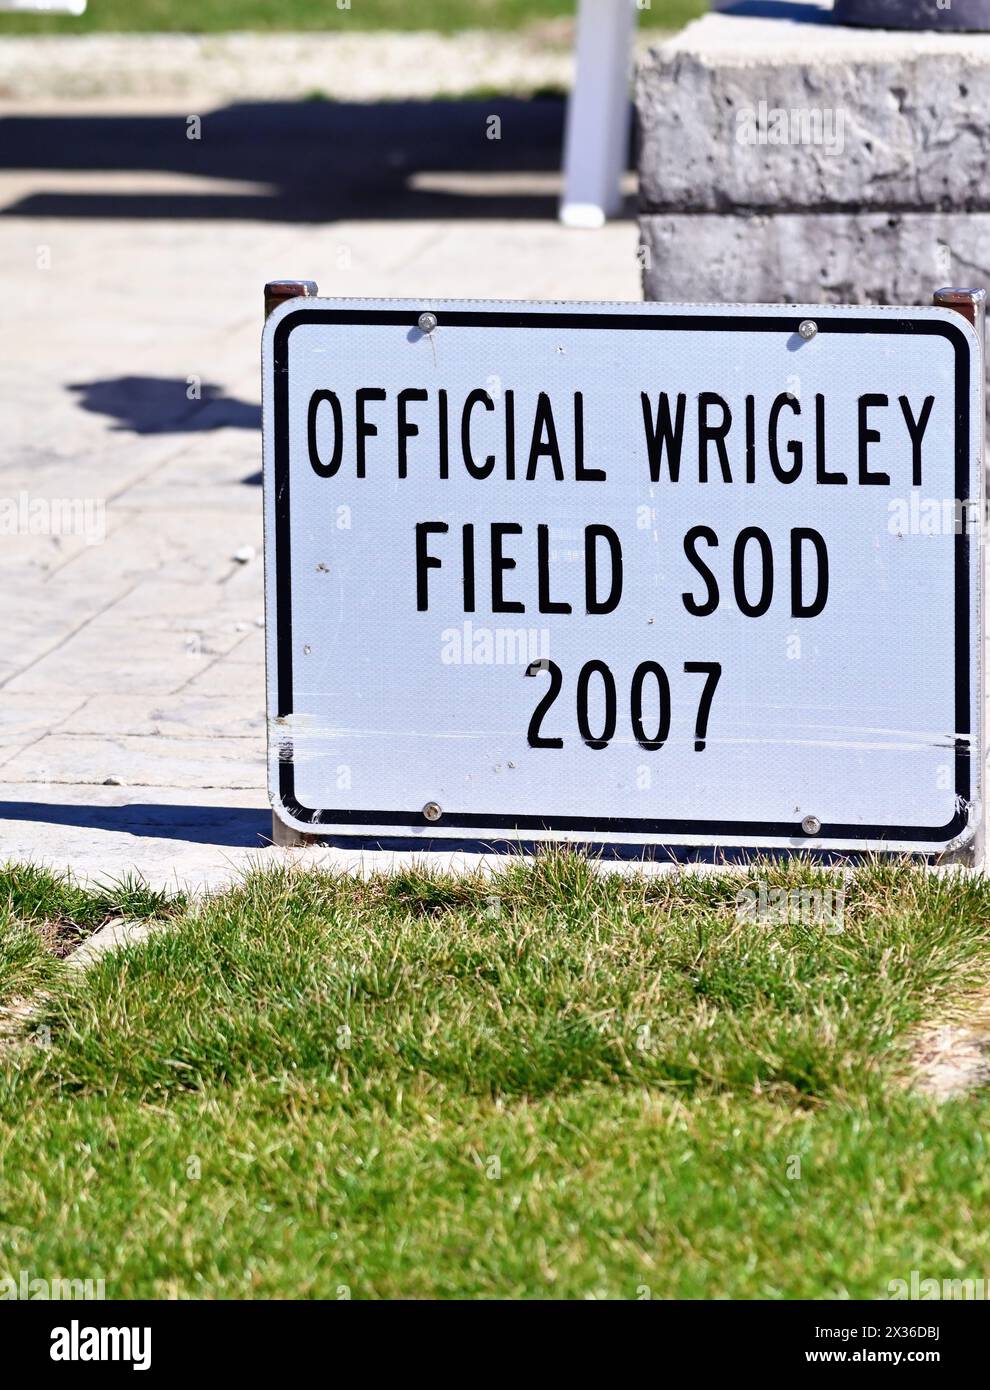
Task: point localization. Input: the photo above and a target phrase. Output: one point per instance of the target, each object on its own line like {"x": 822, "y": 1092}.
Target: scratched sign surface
{"x": 634, "y": 574}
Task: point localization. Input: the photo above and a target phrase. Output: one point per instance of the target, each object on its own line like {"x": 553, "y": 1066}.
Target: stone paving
{"x": 132, "y": 261}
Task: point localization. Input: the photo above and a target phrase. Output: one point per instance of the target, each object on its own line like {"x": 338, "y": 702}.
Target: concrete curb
{"x": 108, "y": 938}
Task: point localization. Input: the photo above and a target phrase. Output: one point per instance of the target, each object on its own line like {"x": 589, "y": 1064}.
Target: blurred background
{"x": 160, "y": 160}
{"x": 214, "y": 16}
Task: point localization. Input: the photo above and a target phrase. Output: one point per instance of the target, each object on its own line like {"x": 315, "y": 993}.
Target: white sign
{"x": 624, "y": 574}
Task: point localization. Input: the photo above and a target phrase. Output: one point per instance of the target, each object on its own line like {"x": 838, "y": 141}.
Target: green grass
{"x": 215, "y": 16}
{"x": 556, "y": 1083}
{"x": 44, "y": 915}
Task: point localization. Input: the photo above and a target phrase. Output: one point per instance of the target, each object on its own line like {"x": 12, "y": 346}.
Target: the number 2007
{"x": 646, "y": 672}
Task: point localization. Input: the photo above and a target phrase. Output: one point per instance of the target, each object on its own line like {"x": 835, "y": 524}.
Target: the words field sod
{"x": 624, "y": 574}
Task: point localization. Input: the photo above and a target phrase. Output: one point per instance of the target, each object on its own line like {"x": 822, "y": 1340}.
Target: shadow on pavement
{"x": 304, "y": 161}
{"x": 230, "y": 826}
{"x": 162, "y": 405}
{"x": 238, "y": 827}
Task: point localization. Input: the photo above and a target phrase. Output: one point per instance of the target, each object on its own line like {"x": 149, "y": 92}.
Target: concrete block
{"x": 813, "y": 257}
{"x": 740, "y": 112}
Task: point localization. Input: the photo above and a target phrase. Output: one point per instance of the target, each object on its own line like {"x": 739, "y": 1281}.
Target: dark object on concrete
{"x": 914, "y": 14}
{"x": 164, "y": 405}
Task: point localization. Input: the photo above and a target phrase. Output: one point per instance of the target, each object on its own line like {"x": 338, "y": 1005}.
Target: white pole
{"x": 597, "y": 135}
{"x": 73, "y": 7}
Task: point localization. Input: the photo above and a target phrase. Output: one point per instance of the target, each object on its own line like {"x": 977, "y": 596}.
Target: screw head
{"x": 811, "y": 825}
{"x": 432, "y": 811}
{"x": 426, "y": 322}
{"x": 808, "y": 329}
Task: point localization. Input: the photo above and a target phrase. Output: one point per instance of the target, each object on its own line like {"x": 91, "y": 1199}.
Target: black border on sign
{"x": 591, "y": 826}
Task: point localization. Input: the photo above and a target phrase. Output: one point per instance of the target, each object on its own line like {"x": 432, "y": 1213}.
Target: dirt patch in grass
{"x": 44, "y": 917}
{"x": 952, "y": 1059}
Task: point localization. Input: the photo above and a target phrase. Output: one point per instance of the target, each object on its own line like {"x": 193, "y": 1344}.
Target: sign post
{"x": 688, "y": 582}
{"x": 278, "y": 292}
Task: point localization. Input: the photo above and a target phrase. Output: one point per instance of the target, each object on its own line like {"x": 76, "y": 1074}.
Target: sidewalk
{"x": 361, "y": 66}
{"x": 132, "y": 262}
